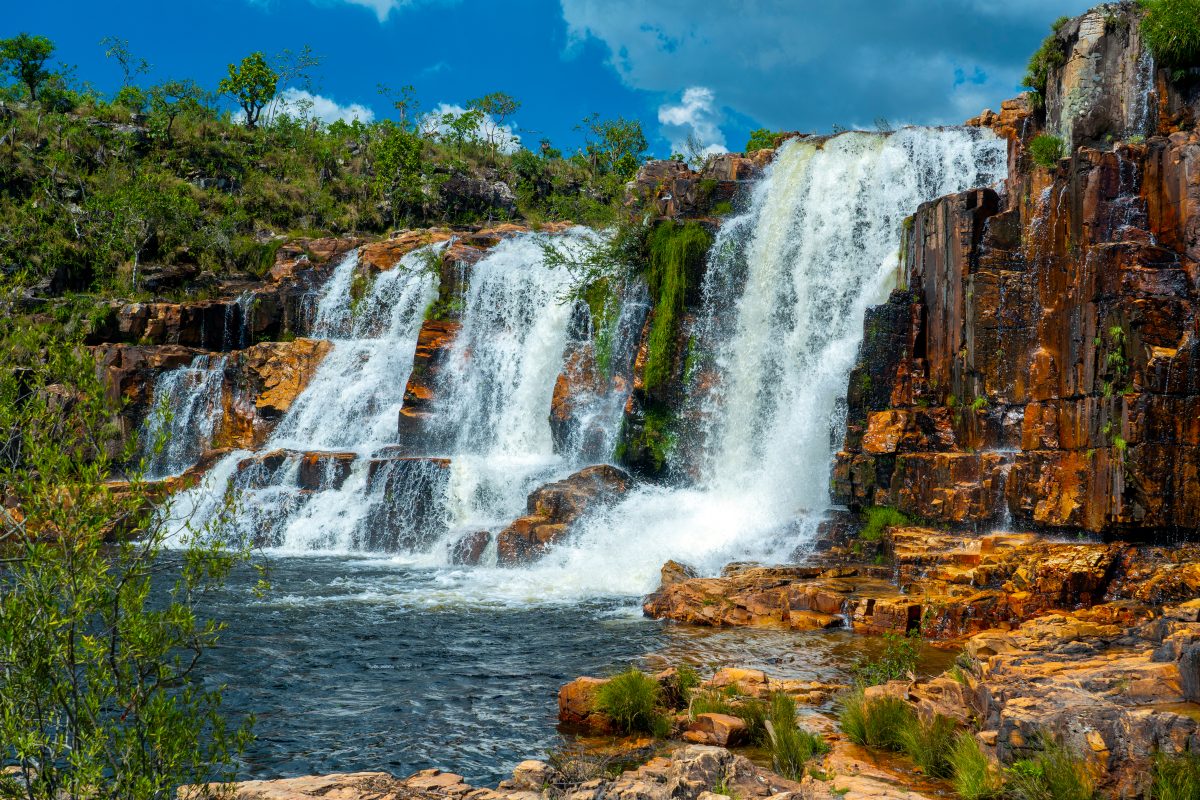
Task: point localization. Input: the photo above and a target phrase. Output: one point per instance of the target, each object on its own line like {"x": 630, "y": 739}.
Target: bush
{"x": 630, "y": 700}
{"x": 879, "y": 723}
{"x": 897, "y": 661}
{"x": 1055, "y": 774}
{"x": 972, "y": 774}
{"x": 1046, "y": 150}
{"x": 761, "y": 139}
{"x": 879, "y": 519}
{"x": 1171, "y": 29}
{"x": 1051, "y": 55}
{"x": 1175, "y": 777}
{"x": 928, "y": 743}
{"x": 791, "y": 746}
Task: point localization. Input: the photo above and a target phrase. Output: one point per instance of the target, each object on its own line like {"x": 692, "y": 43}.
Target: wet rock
{"x": 673, "y": 572}
{"x": 408, "y": 513}
{"x": 577, "y": 705}
{"x": 262, "y": 382}
{"x": 434, "y": 345}
{"x": 554, "y": 507}
{"x": 470, "y": 548}
{"x": 325, "y": 471}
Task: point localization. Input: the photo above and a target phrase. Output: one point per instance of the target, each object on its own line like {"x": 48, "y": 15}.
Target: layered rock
{"x": 947, "y": 585}
{"x": 554, "y": 507}
{"x": 1038, "y": 365}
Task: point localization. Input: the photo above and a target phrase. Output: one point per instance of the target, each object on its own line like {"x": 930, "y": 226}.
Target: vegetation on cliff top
{"x": 1171, "y": 29}
{"x": 92, "y": 187}
{"x": 1051, "y": 55}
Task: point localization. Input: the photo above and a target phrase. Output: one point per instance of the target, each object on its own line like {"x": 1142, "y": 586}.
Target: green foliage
{"x": 495, "y": 110}
{"x": 791, "y": 746}
{"x": 168, "y": 101}
{"x": 686, "y": 679}
{"x": 1171, "y": 29}
{"x": 897, "y": 661}
{"x": 761, "y": 139}
{"x": 630, "y": 700}
{"x": 750, "y": 710}
{"x": 252, "y": 84}
{"x": 879, "y": 519}
{"x": 1175, "y": 777}
{"x": 99, "y": 685}
{"x": 24, "y": 57}
{"x": 675, "y": 256}
{"x": 880, "y": 723}
{"x": 1054, "y": 774}
{"x": 928, "y": 743}
{"x": 398, "y": 157}
{"x": 1046, "y": 150}
{"x": 614, "y": 146}
{"x": 971, "y": 773}
{"x": 1050, "y": 56}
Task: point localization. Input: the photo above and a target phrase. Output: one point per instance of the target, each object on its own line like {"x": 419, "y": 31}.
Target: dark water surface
{"x": 358, "y": 664}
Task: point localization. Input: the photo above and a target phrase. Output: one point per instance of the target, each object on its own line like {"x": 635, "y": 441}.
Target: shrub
{"x": 878, "y": 723}
{"x": 1175, "y": 777}
{"x": 1046, "y": 150}
{"x": 1051, "y": 55}
{"x": 972, "y": 774}
{"x": 896, "y": 662}
{"x": 879, "y": 519}
{"x": 630, "y": 700}
{"x": 761, "y": 139}
{"x": 1171, "y": 29}
{"x": 791, "y": 746}
{"x": 1055, "y": 774}
{"x": 928, "y": 743}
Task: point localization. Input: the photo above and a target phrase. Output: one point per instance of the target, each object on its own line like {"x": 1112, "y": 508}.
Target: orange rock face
{"x": 1042, "y": 364}
{"x": 433, "y": 346}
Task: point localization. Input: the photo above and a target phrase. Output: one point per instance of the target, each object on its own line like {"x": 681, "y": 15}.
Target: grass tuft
{"x": 1171, "y": 29}
{"x": 1046, "y": 150}
{"x": 1055, "y": 774}
{"x": 630, "y": 700}
{"x": 879, "y": 519}
{"x": 791, "y": 746}
{"x": 928, "y": 743}
{"x": 1175, "y": 777}
{"x": 879, "y": 723}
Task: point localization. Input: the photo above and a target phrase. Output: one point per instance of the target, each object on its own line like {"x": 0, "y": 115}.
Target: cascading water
{"x": 184, "y": 412}
{"x": 786, "y": 291}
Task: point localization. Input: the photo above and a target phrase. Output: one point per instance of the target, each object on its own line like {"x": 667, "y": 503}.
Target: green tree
{"x": 397, "y": 154}
{"x": 99, "y": 690}
{"x": 495, "y": 110}
{"x": 614, "y": 146}
{"x": 131, "y": 65}
{"x": 252, "y": 84}
{"x": 404, "y": 100}
{"x": 25, "y": 57}
{"x": 169, "y": 100}
{"x": 761, "y": 139}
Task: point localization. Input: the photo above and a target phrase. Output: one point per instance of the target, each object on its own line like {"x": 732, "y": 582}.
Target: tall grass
{"x": 791, "y": 746}
{"x": 630, "y": 700}
{"x": 878, "y": 723}
{"x": 1171, "y": 28}
{"x": 928, "y": 744}
{"x": 1054, "y": 774}
{"x": 751, "y": 711}
{"x": 1175, "y": 777}
{"x": 971, "y": 773}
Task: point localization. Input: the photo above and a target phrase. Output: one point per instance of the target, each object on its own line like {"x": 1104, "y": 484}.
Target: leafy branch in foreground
{"x": 100, "y": 694}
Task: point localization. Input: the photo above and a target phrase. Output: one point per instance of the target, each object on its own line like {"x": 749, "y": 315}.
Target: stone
{"x": 554, "y": 507}
{"x": 469, "y": 550}
{"x": 577, "y": 705}
{"x": 434, "y": 344}
{"x": 721, "y": 730}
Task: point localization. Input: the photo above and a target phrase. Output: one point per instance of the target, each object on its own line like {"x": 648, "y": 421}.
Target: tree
{"x": 252, "y": 84}
{"x": 398, "y": 164}
{"x": 494, "y": 111}
{"x": 25, "y": 58}
{"x": 761, "y": 139}
{"x": 131, "y": 65}
{"x": 99, "y": 648}
{"x": 460, "y": 130}
{"x": 293, "y": 71}
{"x": 169, "y": 100}
{"x": 614, "y": 146}
{"x": 404, "y": 100}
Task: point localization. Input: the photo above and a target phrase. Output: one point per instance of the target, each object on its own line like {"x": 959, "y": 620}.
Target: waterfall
{"x": 785, "y": 293}
{"x": 784, "y": 297}
{"x": 183, "y": 415}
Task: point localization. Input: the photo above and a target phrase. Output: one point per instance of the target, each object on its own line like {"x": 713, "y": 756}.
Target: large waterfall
{"x": 786, "y": 288}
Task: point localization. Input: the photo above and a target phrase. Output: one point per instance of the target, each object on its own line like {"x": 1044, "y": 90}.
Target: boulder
{"x": 554, "y": 507}
{"x": 721, "y": 730}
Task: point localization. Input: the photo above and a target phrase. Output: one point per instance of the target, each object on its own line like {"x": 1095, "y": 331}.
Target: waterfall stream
{"x": 786, "y": 289}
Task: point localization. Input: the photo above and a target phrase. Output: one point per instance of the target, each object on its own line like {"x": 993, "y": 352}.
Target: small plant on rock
{"x": 1054, "y": 774}
{"x": 1171, "y": 29}
{"x": 791, "y": 746}
{"x": 1046, "y": 150}
{"x": 879, "y": 519}
{"x": 879, "y": 722}
{"x": 630, "y": 700}
{"x": 971, "y": 772}
{"x": 1175, "y": 777}
{"x": 897, "y": 661}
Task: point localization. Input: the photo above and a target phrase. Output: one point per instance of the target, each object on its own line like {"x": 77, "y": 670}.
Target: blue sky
{"x": 713, "y": 68}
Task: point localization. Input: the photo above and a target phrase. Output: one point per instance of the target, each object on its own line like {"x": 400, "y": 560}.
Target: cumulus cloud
{"x": 506, "y": 135}
{"x": 695, "y": 117}
{"x": 298, "y": 102}
{"x": 807, "y": 65}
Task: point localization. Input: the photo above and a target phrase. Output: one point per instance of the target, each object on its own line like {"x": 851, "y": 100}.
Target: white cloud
{"x": 791, "y": 65}
{"x": 382, "y": 8}
{"x": 506, "y": 135}
{"x": 697, "y": 116}
{"x": 296, "y": 102}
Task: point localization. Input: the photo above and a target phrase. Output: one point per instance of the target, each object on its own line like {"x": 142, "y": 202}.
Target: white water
{"x": 183, "y": 415}
{"x": 785, "y": 294}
